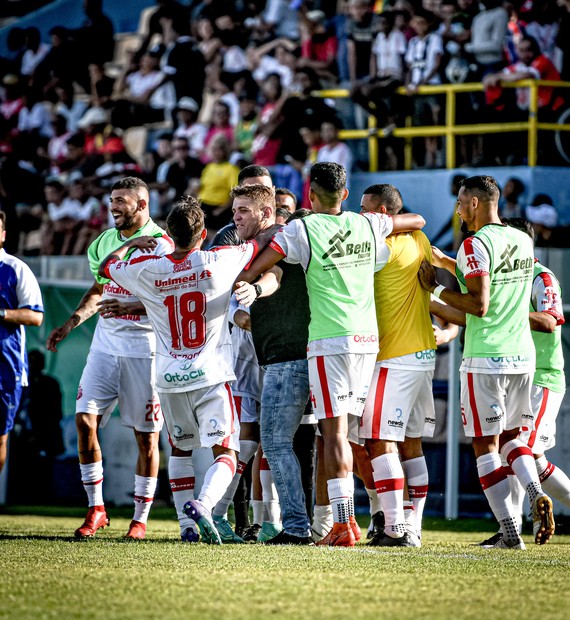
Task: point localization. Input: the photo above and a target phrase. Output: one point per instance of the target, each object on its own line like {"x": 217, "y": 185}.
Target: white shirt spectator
{"x": 38, "y": 117}
{"x": 196, "y": 136}
{"x": 68, "y": 208}
{"x": 421, "y": 58}
{"x": 31, "y": 59}
{"x": 389, "y": 51}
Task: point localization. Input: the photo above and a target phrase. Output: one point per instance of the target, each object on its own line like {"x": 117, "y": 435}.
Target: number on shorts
{"x": 187, "y": 318}
{"x": 152, "y": 412}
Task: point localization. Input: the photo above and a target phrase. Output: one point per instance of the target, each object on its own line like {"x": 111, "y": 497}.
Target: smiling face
{"x": 128, "y": 208}
{"x": 248, "y": 218}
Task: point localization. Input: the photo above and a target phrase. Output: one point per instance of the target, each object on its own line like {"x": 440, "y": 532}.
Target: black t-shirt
{"x": 362, "y": 34}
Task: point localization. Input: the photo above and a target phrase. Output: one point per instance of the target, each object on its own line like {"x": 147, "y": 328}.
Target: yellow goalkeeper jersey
{"x": 402, "y": 305}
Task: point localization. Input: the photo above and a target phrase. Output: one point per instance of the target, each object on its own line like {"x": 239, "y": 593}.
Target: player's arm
{"x": 144, "y": 244}
{"x": 262, "y": 263}
{"x": 406, "y": 222}
{"x": 86, "y": 309}
{"x": 441, "y": 260}
{"x": 475, "y": 301}
{"x": 446, "y": 313}
{"x": 543, "y": 322}
{"x": 269, "y": 282}
{"x": 111, "y": 308}
{"x": 23, "y": 316}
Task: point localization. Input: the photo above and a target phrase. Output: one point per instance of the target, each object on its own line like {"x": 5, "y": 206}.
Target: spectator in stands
{"x": 509, "y": 204}
{"x": 319, "y": 47}
{"x": 12, "y": 99}
{"x": 141, "y": 96}
{"x": 220, "y": 125}
{"x": 543, "y": 27}
{"x": 488, "y": 31}
{"x": 423, "y": 59}
{"x": 35, "y": 52}
{"x": 96, "y": 37}
{"x": 187, "y": 125}
{"x": 34, "y": 118}
{"x": 285, "y": 199}
{"x": 208, "y": 41}
{"x": 68, "y": 105}
{"x": 563, "y": 39}
{"x": 15, "y": 48}
{"x": 281, "y": 19}
{"x": 57, "y": 146}
{"x": 246, "y": 127}
{"x": 266, "y": 143}
{"x": 184, "y": 171}
{"x": 361, "y": 31}
{"x": 276, "y": 57}
{"x": 333, "y": 149}
{"x": 94, "y": 215}
{"x": 63, "y": 222}
{"x": 216, "y": 182}
{"x": 544, "y": 218}
{"x": 376, "y": 93}
{"x": 182, "y": 62}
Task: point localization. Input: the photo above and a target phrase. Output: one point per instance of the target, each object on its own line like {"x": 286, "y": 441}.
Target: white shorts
{"x": 491, "y": 404}
{"x": 202, "y": 418}
{"x": 128, "y": 381}
{"x": 399, "y": 405}
{"x": 339, "y": 383}
{"x": 353, "y": 427}
{"x": 545, "y": 405}
{"x": 247, "y": 409}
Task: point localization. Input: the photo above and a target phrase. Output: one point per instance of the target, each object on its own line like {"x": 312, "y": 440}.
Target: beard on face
{"x": 464, "y": 228}
{"x": 128, "y": 221}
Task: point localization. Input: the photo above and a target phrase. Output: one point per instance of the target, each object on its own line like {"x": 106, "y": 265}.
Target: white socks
{"x": 145, "y": 488}
{"x": 92, "y": 479}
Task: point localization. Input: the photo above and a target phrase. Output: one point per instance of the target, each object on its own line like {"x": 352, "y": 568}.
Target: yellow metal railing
{"x": 450, "y": 130}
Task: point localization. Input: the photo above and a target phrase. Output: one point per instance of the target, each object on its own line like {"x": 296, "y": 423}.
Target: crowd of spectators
{"x": 217, "y": 85}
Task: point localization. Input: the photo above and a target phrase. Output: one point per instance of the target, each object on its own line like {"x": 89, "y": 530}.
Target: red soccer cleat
{"x": 355, "y": 528}
{"x": 96, "y": 518}
{"x": 137, "y": 530}
{"x": 341, "y": 535}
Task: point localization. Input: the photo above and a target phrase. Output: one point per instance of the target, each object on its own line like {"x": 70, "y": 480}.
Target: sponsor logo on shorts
{"x": 399, "y": 413}
{"x": 543, "y": 438}
{"x": 184, "y": 378}
{"x": 365, "y": 338}
{"x": 527, "y": 416}
{"x": 511, "y": 359}
{"x": 342, "y": 397}
{"x": 396, "y": 423}
{"x": 219, "y": 433}
{"x": 179, "y": 435}
{"x": 425, "y": 355}
{"x": 498, "y": 414}
{"x": 429, "y": 420}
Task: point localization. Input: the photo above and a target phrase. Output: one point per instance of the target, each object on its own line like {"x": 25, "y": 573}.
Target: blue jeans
{"x": 283, "y": 400}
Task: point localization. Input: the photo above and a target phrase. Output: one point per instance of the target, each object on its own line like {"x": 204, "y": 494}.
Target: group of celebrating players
{"x": 334, "y": 309}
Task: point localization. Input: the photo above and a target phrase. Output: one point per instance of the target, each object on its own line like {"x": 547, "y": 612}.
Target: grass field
{"x": 46, "y": 573}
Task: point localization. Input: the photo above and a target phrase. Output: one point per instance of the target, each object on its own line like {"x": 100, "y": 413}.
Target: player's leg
{"x": 519, "y": 456}
{"x": 219, "y": 429}
{"x": 146, "y": 478}
{"x": 416, "y": 472}
{"x": 322, "y": 513}
{"x": 481, "y": 397}
{"x": 9, "y": 403}
{"x": 140, "y": 409}
{"x": 182, "y": 483}
{"x": 3, "y": 449}
{"x": 271, "y": 523}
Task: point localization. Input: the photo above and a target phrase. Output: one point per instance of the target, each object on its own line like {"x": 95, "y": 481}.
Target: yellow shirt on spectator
{"x": 216, "y": 182}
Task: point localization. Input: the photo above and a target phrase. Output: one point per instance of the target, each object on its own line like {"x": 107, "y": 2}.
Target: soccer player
{"x": 20, "y": 304}
{"x": 120, "y": 365}
{"x": 400, "y": 408}
{"x": 339, "y": 252}
{"x": 548, "y": 386}
{"x": 494, "y": 270}
{"x": 186, "y": 295}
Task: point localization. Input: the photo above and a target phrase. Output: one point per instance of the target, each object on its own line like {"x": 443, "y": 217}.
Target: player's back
{"x": 402, "y": 305}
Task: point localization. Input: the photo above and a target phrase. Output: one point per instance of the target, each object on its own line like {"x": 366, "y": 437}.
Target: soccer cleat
{"x": 190, "y": 535}
{"x": 226, "y": 532}
{"x": 355, "y": 528}
{"x": 96, "y": 519}
{"x": 289, "y": 539}
{"x": 195, "y": 510}
{"x": 503, "y": 544}
{"x": 387, "y": 541}
{"x": 267, "y": 532}
{"x": 413, "y": 537}
{"x": 341, "y": 535}
{"x": 542, "y": 519}
{"x": 376, "y": 525}
{"x": 250, "y": 533}
{"x": 490, "y": 542}
{"x": 137, "y": 530}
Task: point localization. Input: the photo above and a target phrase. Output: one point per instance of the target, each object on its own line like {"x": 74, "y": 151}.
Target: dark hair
{"x": 57, "y": 185}
{"x": 77, "y": 140}
{"x": 132, "y": 183}
{"x": 520, "y": 224}
{"x": 261, "y": 195}
{"x": 542, "y": 199}
{"x": 485, "y": 188}
{"x": 386, "y": 195}
{"x": 185, "y": 222}
{"x": 328, "y": 181}
{"x": 3, "y": 219}
{"x": 283, "y": 191}
{"x": 298, "y": 214}
{"x": 282, "y": 212}
{"x": 252, "y": 171}
{"x": 518, "y": 185}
